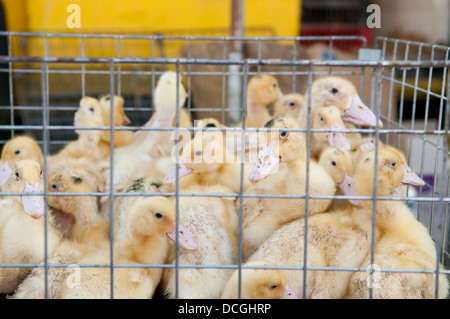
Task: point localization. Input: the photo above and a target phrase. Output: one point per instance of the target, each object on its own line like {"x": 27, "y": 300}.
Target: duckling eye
{"x": 283, "y": 134}
{"x": 158, "y": 215}
{"x": 334, "y": 90}
{"x": 393, "y": 164}
{"x": 274, "y": 85}
{"x": 333, "y": 163}
{"x": 91, "y": 109}
{"x": 16, "y": 152}
{"x": 17, "y": 175}
{"x": 53, "y": 186}
{"x": 198, "y": 153}
{"x": 292, "y": 104}
{"x": 322, "y": 119}
{"x": 274, "y": 286}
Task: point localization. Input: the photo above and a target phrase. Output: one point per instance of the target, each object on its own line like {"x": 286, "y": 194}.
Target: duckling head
{"x": 337, "y": 162}
{"x": 18, "y": 148}
{"x": 28, "y": 178}
{"x": 155, "y": 215}
{"x": 289, "y": 105}
{"x": 392, "y": 171}
{"x": 282, "y": 145}
{"x": 204, "y": 153}
{"x": 329, "y": 118}
{"x": 120, "y": 118}
{"x": 89, "y": 113}
{"x": 260, "y": 282}
{"x": 332, "y": 90}
{"x": 262, "y": 90}
{"x": 165, "y": 96}
{"x": 70, "y": 210}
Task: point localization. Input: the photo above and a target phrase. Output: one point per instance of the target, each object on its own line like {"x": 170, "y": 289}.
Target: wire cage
{"x": 404, "y": 82}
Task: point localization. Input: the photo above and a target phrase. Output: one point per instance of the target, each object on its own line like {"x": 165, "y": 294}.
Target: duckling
{"x": 77, "y": 220}
{"x": 287, "y": 152}
{"x": 405, "y": 242}
{"x": 362, "y": 146}
{"x": 262, "y": 90}
{"x": 340, "y": 238}
{"x": 131, "y": 159}
{"x": 213, "y": 223}
{"x": 89, "y": 143}
{"x": 258, "y": 283}
{"x": 208, "y": 159}
{"x": 327, "y": 118}
{"x": 143, "y": 239}
{"x": 121, "y": 137}
{"x": 333, "y": 90}
{"x": 338, "y": 163}
{"x": 22, "y": 227}
{"x": 18, "y": 148}
{"x": 289, "y": 105}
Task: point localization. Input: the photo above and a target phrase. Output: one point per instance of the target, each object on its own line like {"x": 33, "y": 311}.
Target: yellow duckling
{"x": 213, "y": 224}
{"x": 289, "y": 105}
{"x": 260, "y": 282}
{"x": 207, "y": 157}
{"x": 338, "y": 163}
{"x": 262, "y": 90}
{"x": 89, "y": 143}
{"x": 327, "y": 118}
{"x": 121, "y": 137}
{"x": 337, "y": 91}
{"x": 143, "y": 238}
{"x": 18, "y": 148}
{"x": 340, "y": 238}
{"x": 405, "y": 243}
{"x": 286, "y": 150}
{"x": 22, "y": 227}
{"x": 80, "y": 225}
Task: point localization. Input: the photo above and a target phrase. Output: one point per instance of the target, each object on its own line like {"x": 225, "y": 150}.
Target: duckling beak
{"x": 338, "y": 139}
{"x": 348, "y": 189}
{"x": 5, "y": 172}
{"x": 33, "y": 204}
{"x": 280, "y": 95}
{"x": 183, "y": 170}
{"x": 289, "y": 293}
{"x": 265, "y": 165}
{"x": 126, "y": 120}
{"x": 184, "y": 238}
{"x": 359, "y": 114}
{"x": 410, "y": 177}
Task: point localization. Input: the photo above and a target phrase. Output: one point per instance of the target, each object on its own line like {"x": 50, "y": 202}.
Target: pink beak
{"x": 410, "y": 177}
{"x": 338, "y": 139}
{"x": 359, "y": 114}
{"x": 183, "y": 170}
{"x": 266, "y": 164}
{"x": 348, "y": 189}
{"x": 280, "y": 95}
{"x": 289, "y": 294}
{"x": 126, "y": 120}
{"x": 184, "y": 238}
{"x": 5, "y": 172}
{"x": 33, "y": 204}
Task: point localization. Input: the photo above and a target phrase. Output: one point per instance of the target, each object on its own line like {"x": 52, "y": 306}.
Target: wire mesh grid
{"x": 406, "y": 87}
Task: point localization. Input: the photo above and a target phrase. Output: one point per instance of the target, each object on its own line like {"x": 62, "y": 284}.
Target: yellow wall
{"x": 42, "y": 15}
{"x": 121, "y": 16}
